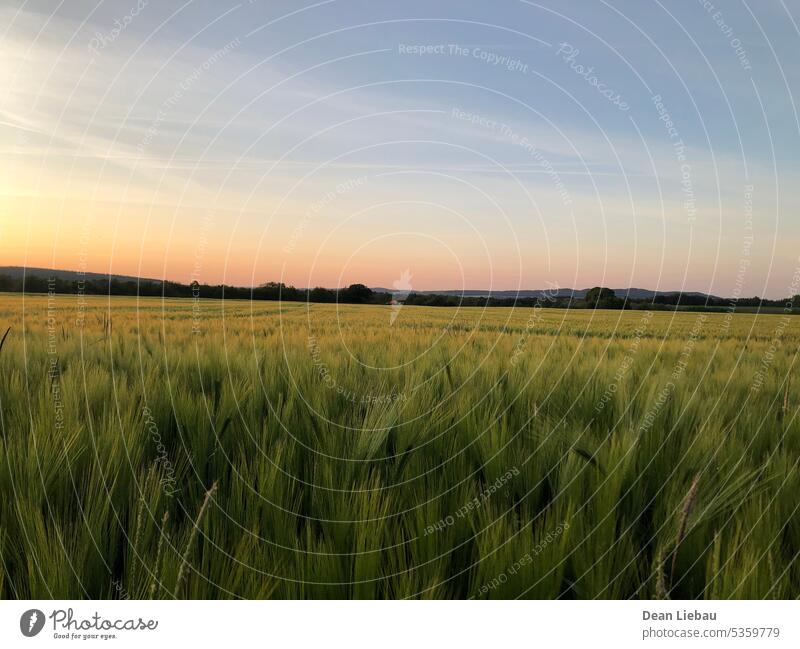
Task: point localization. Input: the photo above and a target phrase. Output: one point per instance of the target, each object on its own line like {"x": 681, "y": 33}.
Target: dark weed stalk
{"x": 5, "y": 335}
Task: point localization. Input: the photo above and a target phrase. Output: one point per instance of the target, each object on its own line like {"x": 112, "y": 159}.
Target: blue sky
{"x": 477, "y": 144}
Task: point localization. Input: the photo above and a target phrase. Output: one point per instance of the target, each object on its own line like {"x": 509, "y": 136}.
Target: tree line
{"x": 604, "y": 298}
{"x": 596, "y": 298}
{"x": 353, "y": 294}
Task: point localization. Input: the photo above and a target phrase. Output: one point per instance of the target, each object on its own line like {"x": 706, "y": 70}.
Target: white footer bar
{"x": 316, "y": 624}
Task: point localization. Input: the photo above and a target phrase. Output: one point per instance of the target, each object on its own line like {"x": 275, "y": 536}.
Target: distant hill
{"x": 70, "y": 275}
{"x": 632, "y": 293}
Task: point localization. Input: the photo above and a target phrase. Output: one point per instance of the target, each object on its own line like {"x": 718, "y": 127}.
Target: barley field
{"x": 218, "y": 449}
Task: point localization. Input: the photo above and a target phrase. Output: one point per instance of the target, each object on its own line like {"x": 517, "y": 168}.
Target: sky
{"x": 425, "y": 145}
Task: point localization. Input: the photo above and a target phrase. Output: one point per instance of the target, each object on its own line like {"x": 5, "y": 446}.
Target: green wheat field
{"x": 217, "y": 449}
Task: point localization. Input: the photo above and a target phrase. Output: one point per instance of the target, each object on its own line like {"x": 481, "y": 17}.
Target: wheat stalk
{"x": 785, "y": 408}
{"x": 661, "y": 586}
{"x": 686, "y": 511}
{"x": 156, "y": 579}
{"x": 139, "y": 523}
{"x": 185, "y": 558}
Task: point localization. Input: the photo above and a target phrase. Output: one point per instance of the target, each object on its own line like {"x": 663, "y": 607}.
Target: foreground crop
{"x": 231, "y": 449}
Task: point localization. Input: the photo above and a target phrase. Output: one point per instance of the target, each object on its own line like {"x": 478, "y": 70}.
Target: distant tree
{"x": 356, "y": 294}
{"x": 603, "y": 298}
{"x": 270, "y": 291}
{"x": 320, "y": 294}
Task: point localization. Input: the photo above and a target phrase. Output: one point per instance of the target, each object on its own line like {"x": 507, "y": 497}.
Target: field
{"x": 233, "y": 449}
